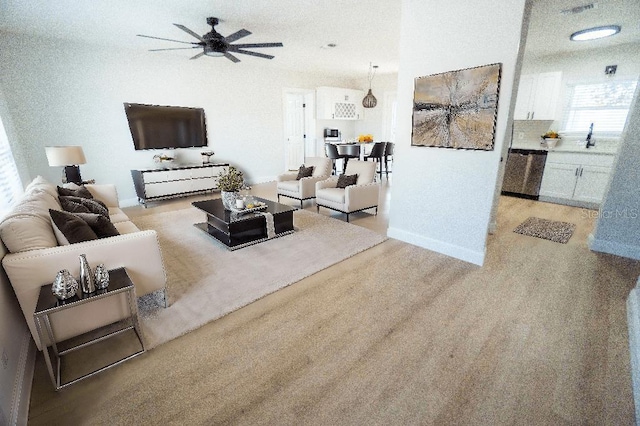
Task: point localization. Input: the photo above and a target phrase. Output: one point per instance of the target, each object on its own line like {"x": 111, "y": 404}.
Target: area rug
{"x": 559, "y": 232}
{"x": 206, "y": 281}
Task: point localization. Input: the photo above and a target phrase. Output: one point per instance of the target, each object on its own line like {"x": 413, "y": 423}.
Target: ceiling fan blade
{"x": 168, "y": 39}
{"x": 258, "y": 45}
{"x": 197, "y": 56}
{"x": 231, "y": 57}
{"x": 246, "y": 52}
{"x": 174, "y": 48}
{"x": 237, "y": 35}
{"x": 188, "y": 31}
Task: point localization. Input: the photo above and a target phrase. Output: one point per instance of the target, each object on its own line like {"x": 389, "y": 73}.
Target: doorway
{"x": 299, "y": 127}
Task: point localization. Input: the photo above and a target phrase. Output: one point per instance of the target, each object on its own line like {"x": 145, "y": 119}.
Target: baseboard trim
{"x": 448, "y": 249}
{"x": 612, "y": 247}
{"x": 23, "y": 382}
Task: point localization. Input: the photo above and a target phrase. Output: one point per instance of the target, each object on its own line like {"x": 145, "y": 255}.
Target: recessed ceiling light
{"x": 328, "y": 46}
{"x": 594, "y": 33}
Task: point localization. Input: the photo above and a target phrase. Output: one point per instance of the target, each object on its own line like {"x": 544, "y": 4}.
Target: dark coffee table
{"x": 237, "y": 230}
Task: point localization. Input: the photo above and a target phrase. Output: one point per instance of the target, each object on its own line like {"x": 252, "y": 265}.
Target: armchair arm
{"x": 308, "y": 185}
{"x": 327, "y": 183}
{"x": 287, "y": 176}
{"x": 358, "y": 197}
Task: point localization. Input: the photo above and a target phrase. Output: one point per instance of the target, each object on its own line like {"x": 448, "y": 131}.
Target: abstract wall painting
{"x": 457, "y": 109}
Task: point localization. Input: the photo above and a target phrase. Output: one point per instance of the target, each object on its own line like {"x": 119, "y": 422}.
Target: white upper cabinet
{"x": 334, "y": 103}
{"x": 538, "y": 96}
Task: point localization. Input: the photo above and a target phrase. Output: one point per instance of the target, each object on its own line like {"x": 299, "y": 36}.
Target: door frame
{"x": 309, "y": 122}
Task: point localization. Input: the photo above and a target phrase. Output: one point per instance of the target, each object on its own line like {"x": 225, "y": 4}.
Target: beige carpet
{"x": 207, "y": 281}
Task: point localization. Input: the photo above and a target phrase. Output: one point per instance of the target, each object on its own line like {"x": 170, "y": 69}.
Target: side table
{"x": 119, "y": 282}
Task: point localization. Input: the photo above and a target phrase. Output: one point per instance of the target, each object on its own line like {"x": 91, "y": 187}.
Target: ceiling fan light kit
{"x": 369, "y": 100}
{"x": 215, "y": 45}
{"x": 595, "y": 33}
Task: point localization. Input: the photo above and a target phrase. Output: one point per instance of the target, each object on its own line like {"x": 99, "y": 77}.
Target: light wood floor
{"x": 394, "y": 335}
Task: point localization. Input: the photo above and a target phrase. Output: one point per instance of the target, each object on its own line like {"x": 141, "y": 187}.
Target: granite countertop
{"x": 605, "y": 148}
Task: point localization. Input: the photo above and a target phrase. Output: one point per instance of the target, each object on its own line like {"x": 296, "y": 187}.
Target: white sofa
{"x": 32, "y": 258}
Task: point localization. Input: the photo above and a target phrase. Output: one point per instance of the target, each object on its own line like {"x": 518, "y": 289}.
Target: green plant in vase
{"x": 230, "y": 183}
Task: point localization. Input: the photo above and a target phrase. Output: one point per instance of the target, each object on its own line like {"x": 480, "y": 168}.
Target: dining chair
{"x": 377, "y": 154}
{"x": 388, "y": 152}
{"x": 348, "y": 151}
{"x": 331, "y": 150}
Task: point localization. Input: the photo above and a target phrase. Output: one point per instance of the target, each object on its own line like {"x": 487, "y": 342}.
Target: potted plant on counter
{"x": 551, "y": 139}
{"x": 230, "y": 182}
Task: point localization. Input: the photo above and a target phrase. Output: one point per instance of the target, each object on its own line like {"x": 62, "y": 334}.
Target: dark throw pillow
{"x": 70, "y": 204}
{"x": 101, "y": 225}
{"x": 78, "y": 192}
{"x": 304, "y": 172}
{"x": 74, "y": 228}
{"x": 346, "y": 180}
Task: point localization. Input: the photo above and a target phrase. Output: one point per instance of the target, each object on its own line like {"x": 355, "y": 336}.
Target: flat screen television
{"x": 163, "y": 127}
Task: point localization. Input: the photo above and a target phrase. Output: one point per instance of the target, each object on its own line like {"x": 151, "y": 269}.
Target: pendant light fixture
{"x": 370, "y": 101}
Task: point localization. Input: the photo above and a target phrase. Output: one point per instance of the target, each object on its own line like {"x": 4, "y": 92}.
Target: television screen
{"x": 161, "y": 127}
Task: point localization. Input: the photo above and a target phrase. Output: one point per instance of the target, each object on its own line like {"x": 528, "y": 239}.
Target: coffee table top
{"x": 215, "y": 208}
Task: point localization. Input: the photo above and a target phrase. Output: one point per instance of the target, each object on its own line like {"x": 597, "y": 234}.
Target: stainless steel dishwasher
{"x": 523, "y": 173}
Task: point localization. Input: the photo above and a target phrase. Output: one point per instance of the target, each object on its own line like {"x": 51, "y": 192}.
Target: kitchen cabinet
{"x": 575, "y": 178}
{"x": 334, "y": 103}
{"x": 538, "y": 96}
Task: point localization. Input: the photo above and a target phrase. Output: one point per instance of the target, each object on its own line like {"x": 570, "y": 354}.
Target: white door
{"x": 294, "y": 130}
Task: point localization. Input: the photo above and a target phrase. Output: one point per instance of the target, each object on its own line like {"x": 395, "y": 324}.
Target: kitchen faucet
{"x": 590, "y": 141}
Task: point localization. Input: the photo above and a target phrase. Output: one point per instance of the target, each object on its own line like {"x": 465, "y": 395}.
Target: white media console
{"x": 178, "y": 181}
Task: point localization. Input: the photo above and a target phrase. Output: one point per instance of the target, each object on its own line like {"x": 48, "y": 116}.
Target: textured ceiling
{"x": 364, "y": 31}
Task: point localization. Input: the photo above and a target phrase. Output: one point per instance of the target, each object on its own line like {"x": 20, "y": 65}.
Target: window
{"x": 606, "y": 104}
{"x": 10, "y": 185}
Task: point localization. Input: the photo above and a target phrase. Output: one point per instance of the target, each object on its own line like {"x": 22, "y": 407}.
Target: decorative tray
{"x": 258, "y": 206}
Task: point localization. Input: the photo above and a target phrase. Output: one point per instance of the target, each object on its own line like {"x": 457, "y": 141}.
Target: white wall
{"x": 442, "y": 198}
{"x": 64, "y": 93}
{"x": 618, "y": 227}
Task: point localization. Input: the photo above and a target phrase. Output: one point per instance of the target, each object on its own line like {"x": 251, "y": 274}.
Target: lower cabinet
{"x": 576, "y": 179}
{"x": 154, "y": 184}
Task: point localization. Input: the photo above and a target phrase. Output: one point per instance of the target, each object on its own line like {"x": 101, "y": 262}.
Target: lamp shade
{"x": 65, "y": 155}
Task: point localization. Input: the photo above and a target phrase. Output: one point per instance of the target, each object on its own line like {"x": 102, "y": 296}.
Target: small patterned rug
{"x": 559, "y": 232}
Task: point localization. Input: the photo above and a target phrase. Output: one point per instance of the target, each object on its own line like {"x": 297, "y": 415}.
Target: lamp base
{"x": 71, "y": 174}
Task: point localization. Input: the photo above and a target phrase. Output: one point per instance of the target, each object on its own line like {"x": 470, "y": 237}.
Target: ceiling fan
{"x": 214, "y": 44}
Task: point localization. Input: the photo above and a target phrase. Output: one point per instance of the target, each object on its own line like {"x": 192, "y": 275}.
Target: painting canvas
{"x": 457, "y": 109}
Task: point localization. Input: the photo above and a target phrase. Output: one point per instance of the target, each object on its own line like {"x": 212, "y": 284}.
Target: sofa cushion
{"x": 24, "y": 231}
{"x": 27, "y": 226}
{"x": 335, "y": 195}
{"x": 78, "y": 191}
{"x": 126, "y": 227}
{"x": 42, "y": 184}
{"x": 69, "y": 228}
{"x": 117, "y": 215}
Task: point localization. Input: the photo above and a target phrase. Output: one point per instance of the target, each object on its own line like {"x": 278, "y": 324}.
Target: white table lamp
{"x": 69, "y": 157}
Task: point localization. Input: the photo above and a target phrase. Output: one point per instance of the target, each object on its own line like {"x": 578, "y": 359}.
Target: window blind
{"x": 606, "y": 104}
{"x": 10, "y": 184}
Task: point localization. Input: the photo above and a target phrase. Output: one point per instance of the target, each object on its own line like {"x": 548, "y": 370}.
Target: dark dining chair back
{"x": 331, "y": 150}
{"x": 377, "y": 154}
{"x": 388, "y": 152}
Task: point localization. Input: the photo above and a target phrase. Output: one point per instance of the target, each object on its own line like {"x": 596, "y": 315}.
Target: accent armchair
{"x": 304, "y": 188}
{"x": 353, "y": 198}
